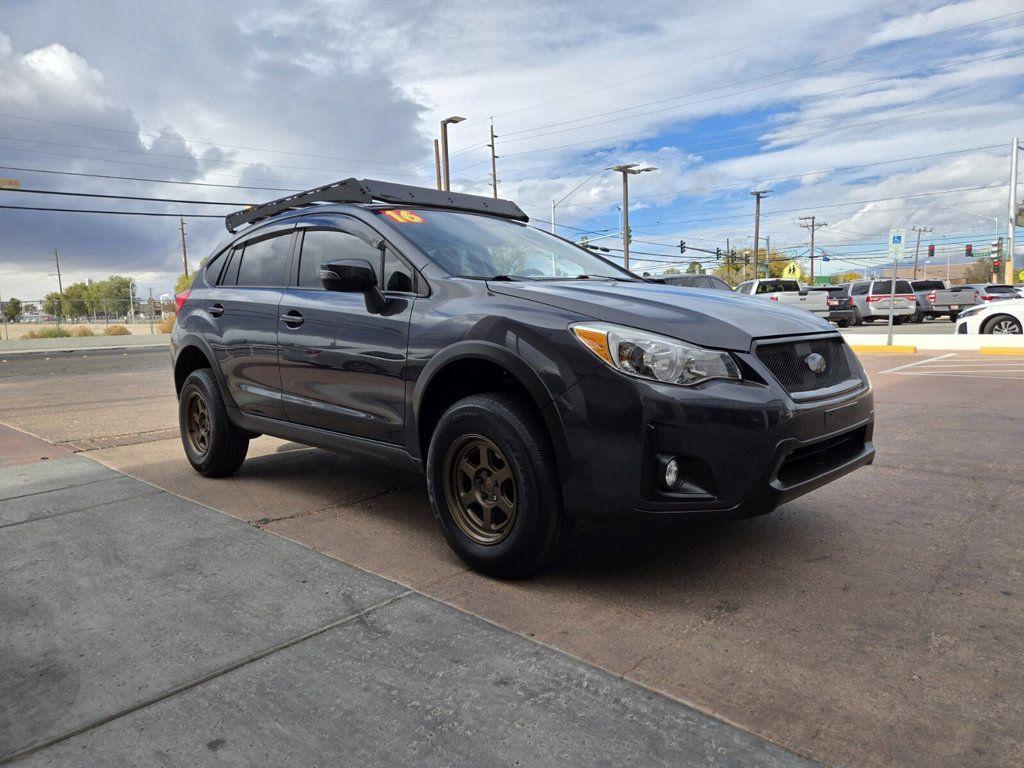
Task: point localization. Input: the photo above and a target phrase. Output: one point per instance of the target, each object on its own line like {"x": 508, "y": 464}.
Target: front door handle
{"x": 217, "y": 309}
{"x": 293, "y": 318}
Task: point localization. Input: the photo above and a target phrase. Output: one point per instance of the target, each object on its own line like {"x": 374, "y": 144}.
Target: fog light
{"x": 673, "y": 474}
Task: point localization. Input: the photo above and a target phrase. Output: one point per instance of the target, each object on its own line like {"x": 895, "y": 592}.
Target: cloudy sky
{"x": 857, "y": 112}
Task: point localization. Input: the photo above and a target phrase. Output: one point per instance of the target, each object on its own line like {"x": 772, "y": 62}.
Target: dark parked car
{"x": 533, "y": 382}
{"x": 696, "y": 281}
{"x": 840, "y": 305}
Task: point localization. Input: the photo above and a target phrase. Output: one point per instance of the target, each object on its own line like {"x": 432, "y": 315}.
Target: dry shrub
{"x": 117, "y": 330}
{"x": 47, "y": 332}
{"x": 81, "y": 330}
{"x": 166, "y": 324}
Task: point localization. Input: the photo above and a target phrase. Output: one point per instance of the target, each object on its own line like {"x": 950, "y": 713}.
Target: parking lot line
{"x": 960, "y": 375}
{"x": 919, "y": 362}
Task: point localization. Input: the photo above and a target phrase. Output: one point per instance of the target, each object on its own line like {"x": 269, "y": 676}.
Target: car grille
{"x": 788, "y": 363}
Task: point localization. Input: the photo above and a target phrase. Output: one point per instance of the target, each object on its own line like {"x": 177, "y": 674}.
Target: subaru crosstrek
{"x": 533, "y": 382}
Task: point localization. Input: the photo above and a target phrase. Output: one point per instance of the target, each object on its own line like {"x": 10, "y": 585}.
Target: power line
{"x": 123, "y": 197}
{"x": 748, "y": 80}
{"x": 758, "y": 44}
{"x": 112, "y": 213}
{"x": 153, "y": 181}
{"x": 196, "y": 141}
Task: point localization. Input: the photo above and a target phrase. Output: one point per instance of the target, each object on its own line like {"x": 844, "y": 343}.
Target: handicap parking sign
{"x": 896, "y": 245}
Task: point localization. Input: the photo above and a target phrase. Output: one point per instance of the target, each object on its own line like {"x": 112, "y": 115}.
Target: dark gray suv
{"x": 532, "y": 382}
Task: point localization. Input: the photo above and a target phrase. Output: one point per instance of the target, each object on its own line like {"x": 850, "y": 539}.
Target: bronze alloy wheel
{"x": 197, "y": 421}
{"x": 480, "y": 489}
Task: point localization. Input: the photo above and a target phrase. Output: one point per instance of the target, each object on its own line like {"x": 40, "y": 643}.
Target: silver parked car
{"x": 871, "y": 300}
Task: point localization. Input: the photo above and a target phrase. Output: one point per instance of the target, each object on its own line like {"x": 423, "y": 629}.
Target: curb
{"x": 1002, "y": 351}
{"x": 883, "y": 349}
{"x": 65, "y": 350}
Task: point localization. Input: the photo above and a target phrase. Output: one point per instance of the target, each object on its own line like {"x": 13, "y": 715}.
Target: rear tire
{"x": 213, "y": 445}
{"x": 493, "y": 483}
{"x": 843, "y": 323}
{"x": 917, "y": 317}
{"x": 1002, "y": 324}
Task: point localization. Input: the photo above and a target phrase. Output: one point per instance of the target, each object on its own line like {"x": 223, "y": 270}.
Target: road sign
{"x": 792, "y": 271}
{"x": 1020, "y": 275}
{"x": 10, "y": 184}
{"x": 897, "y": 243}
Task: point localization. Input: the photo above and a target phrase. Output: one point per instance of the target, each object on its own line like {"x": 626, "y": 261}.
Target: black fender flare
{"x": 197, "y": 341}
{"x": 494, "y": 353}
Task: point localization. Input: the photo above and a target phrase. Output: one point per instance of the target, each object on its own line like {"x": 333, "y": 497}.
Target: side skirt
{"x": 322, "y": 438}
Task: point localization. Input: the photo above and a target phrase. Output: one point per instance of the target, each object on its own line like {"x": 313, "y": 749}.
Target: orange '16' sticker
{"x": 404, "y": 217}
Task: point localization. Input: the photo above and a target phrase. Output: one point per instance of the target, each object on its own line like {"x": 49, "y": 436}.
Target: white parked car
{"x": 997, "y": 317}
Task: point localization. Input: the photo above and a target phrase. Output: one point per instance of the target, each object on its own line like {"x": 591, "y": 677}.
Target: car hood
{"x": 709, "y": 318}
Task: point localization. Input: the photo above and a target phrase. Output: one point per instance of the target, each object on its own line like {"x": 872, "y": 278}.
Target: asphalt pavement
{"x": 876, "y": 622}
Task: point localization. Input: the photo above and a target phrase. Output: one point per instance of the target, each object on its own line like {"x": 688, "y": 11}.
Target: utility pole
{"x": 60, "y": 289}
{"x": 437, "y": 162}
{"x": 767, "y": 257}
{"x": 758, "y": 194}
{"x": 184, "y": 252}
{"x": 812, "y": 226}
{"x": 917, "y": 247}
{"x": 494, "y": 165}
{"x": 1011, "y": 222}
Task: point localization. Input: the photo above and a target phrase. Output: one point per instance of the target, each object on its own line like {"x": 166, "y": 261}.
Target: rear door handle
{"x": 217, "y": 309}
{"x": 293, "y": 318}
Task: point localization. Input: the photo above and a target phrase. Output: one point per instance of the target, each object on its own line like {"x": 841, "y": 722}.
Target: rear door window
{"x": 264, "y": 261}
{"x": 1000, "y": 289}
{"x": 885, "y": 287}
{"x": 860, "y": 289}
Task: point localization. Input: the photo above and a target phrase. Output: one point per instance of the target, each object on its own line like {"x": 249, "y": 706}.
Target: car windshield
{"x": 468, "y": 245}
{"x": 885, "y": 286}
{"x": 777, "y": 286}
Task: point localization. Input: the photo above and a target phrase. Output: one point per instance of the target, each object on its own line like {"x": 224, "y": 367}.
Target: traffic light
{"x": 969, "y": 251}
{"x": 931, "y": 251}
{"x": 718, "y": 254}
{"x": 995, "y": 263}
{"x": 682, "y": 246}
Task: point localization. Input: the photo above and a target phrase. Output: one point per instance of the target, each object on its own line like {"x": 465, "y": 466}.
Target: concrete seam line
{"x": 62, "y": 488}
{"x": 618, "y": 676}
{"x": 74, "y": 511}
{"x": 62, "y": 351}
{"x": 195, "y": 682}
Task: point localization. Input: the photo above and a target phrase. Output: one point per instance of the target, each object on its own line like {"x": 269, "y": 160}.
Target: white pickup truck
{"x": 787, "y": 292}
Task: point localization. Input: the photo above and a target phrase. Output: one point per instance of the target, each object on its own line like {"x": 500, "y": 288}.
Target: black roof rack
{"x": 368, "y": 191}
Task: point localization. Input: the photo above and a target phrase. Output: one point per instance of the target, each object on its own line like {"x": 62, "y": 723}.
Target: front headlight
{"x": 652, "y": 356}
{"x": 971, "y": 311}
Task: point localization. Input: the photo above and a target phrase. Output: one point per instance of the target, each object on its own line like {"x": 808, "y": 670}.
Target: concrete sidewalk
{"x": 140, "y": 628}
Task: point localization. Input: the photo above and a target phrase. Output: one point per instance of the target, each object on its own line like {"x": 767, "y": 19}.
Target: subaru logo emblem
{"x": 815, "y": 362}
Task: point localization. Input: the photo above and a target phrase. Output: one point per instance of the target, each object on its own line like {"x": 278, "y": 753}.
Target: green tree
{"x": 979, "y": 272}
{"x": 695, "y": 268}
{"x": 12, "y": 308}
{"x": 845, "y": 277}
{"x": 183, "y": 283}
{"x": 671, "y": 271}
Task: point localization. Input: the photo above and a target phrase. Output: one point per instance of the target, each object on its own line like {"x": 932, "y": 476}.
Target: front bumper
{"x": 746, "y": 447}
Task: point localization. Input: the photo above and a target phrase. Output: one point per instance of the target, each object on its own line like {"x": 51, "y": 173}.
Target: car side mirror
{"x": 354, "y": 276}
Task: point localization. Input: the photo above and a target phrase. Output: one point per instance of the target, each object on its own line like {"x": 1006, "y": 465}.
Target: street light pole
{"x": 1011, "y": 222}
{"x": 626, "y": 170}
{"x": 437, "y": 163}
{"x": 444, "y": 149}
{"x": 758, "y": 194}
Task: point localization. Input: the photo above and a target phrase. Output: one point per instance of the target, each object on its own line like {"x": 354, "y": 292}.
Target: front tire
{"x": 1002, "y": 324}
{"x": 213, "y": 445}
{"x": 493, "y": 483}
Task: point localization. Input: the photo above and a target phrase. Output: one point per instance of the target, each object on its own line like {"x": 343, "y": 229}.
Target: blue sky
{"x": 857, "y": 112}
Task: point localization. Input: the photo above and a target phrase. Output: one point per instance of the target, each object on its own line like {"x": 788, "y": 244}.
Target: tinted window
{"x": 397, "y": 276}
{"x": 1000, "y": 289}
{"x": 230, "y": 273}
{"x": 929, "y": 285}
{"x": 320, "y": 246}
{"x": 885, "y": 286}
{"x": 776, "y": 286}
{"x": 718, "y": 283}
{"x": 263, "y": 261}
{"x": 860, "y": 289}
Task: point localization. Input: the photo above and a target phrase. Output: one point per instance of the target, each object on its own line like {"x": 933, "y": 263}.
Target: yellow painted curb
{"x": 1002, "y": 351}
{"x": 882, "y": 349}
